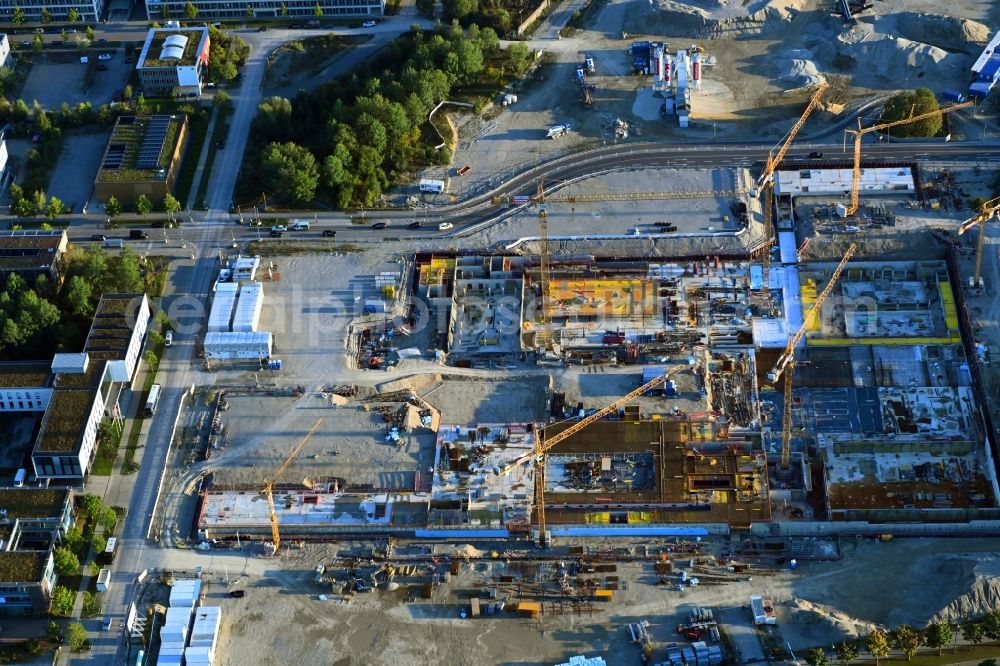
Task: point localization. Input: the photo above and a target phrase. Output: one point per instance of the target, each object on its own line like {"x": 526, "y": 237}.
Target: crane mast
{"x": 986, "y": 213}
{"x": 785, "y": 365}
{"x": 859, "y": 133}
{"x": 269, "y": 487}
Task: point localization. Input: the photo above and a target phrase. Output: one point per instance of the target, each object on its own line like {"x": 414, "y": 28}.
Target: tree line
{"x": 352, "y": 138}
{"x": 907, "y": 640}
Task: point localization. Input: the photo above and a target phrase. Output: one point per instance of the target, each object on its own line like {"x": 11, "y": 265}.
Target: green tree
{"x": 877, "y": 644}
{"x": 293, "y": 171}
{"x": 46, "y": 16}
{"x": 64, "y": 34}
{"x": 113, "y": 207}
{"x": 74, "y": 538}
{"x": 72, "y": 15}
{"x": 991, "y": 625}
{"x": 62, "y": 600}
{"x": 91, "y": 506}
{"x": 19, "y": 17}
{"x": 127, "y": 92}
{"x": 284, "y": 9}
{"x": 91, "y": 604}
{"x": 318, "y": 10}
{"x": 171, "y": 206}
{"x": 79, "y": 297}
{"x": 190, "y": 11}
{"x": 816, "y": 657}
{"x": 124, "y": 275}
{"x": 109, "y": 519}
{"x": 66, "y": 561}
{"x": 76, "y": 636}
{"x": 972, "y": 631}
{"x": 89, "y": 33}
{"x": 847, "y": 652}
{"x": 143, "y": 205}
{"x": 54, "y": 208}
{"x": 938, "y": 635}
{"x": 907, "y": 640}
{"x": 54, "y": 632}
{"x": 100, "y": 543}
{"x": 911, "y": 103}
{"x": 151, "y": 361}
{"x": 222, "y": 100}
{"x": 164, "y": 11}
{"x": 37, "y": 42}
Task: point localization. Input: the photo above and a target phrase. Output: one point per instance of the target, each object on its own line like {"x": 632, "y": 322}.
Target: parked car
{"x": 99, "y": 237}
{"x": 104, "y": 56}
{"x": 102, "y": 41}
{"x": 445, "y": 226}
{"x": 106, "y": 625}
{"x": 379, "y": 225}
{"x": 237, "y": 594}
{"x": 169, "y": 339}
{"x": 329, "y": 233}
{"x": 413, "y": 225}
{"x": 275, "y": 233}
{"x": 368, "y": 24}
{"x": 815, "y": 154}
{"x": 137, "y": 234}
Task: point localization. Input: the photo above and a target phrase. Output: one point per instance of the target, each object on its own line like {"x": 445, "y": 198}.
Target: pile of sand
{"x": 705, "y": 19}
{"x": 983, "y": 594}
{"x": 946, "y": 32}
{"x": 799, "y": 70}
{"x": 895, "y": 60}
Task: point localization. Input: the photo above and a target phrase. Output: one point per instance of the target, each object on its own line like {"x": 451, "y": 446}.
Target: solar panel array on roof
{"x": 115, "y": 156}
{"x": 152, "y": 143}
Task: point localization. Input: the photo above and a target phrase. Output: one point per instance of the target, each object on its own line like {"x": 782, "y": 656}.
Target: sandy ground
{"x": 760, "y": 58}
{"x": 816, "y": 604}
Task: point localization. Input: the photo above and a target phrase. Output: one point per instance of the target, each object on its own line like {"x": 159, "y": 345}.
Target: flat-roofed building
{"x": 142, "y": 157}
{"x": 25, "y": 387}
{"x": 214, "y": 9}
{"x": 32, "y": 252}
{"x": 91, "y": 11}
{"x": 171, "y": 61}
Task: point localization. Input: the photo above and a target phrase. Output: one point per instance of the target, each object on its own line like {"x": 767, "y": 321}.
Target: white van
{"x": 300, "y": 225}
{"x": 428, "y": 186}
{"x": 169, "y": 340}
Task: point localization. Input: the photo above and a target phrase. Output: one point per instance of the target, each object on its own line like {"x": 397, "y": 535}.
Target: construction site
{"x": 627, "y": 422}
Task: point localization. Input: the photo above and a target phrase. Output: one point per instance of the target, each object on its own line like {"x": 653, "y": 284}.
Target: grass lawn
{"x": 185, "y": 179}
{"x": 306, "y": 57}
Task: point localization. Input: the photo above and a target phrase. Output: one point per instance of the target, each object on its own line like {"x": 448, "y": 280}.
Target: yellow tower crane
{"x": 858, "y": 133}
{"x": 986, "y": 213}
{"x": 544, "y": 273}
{"x": 544, "y": 444}
{"x": 785, "y": 365}
{"x": 765, "y": 186}
{"x": 269, "y": 486}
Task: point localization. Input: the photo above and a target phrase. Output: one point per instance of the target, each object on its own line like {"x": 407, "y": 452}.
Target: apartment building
{"x": 215, "y": 9}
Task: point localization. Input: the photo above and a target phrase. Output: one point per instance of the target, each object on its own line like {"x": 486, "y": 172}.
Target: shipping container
{"x": 229, "y": 346}
{"x": 529, "y": 608}
{"x": 221, "y": 315}
{"x": 245, "y": 268}
{"x": 184, "y": 593}
{"x": 429, "y": 186}
{"x": 604, "y": 595}
{"x": 248, "y": 308}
